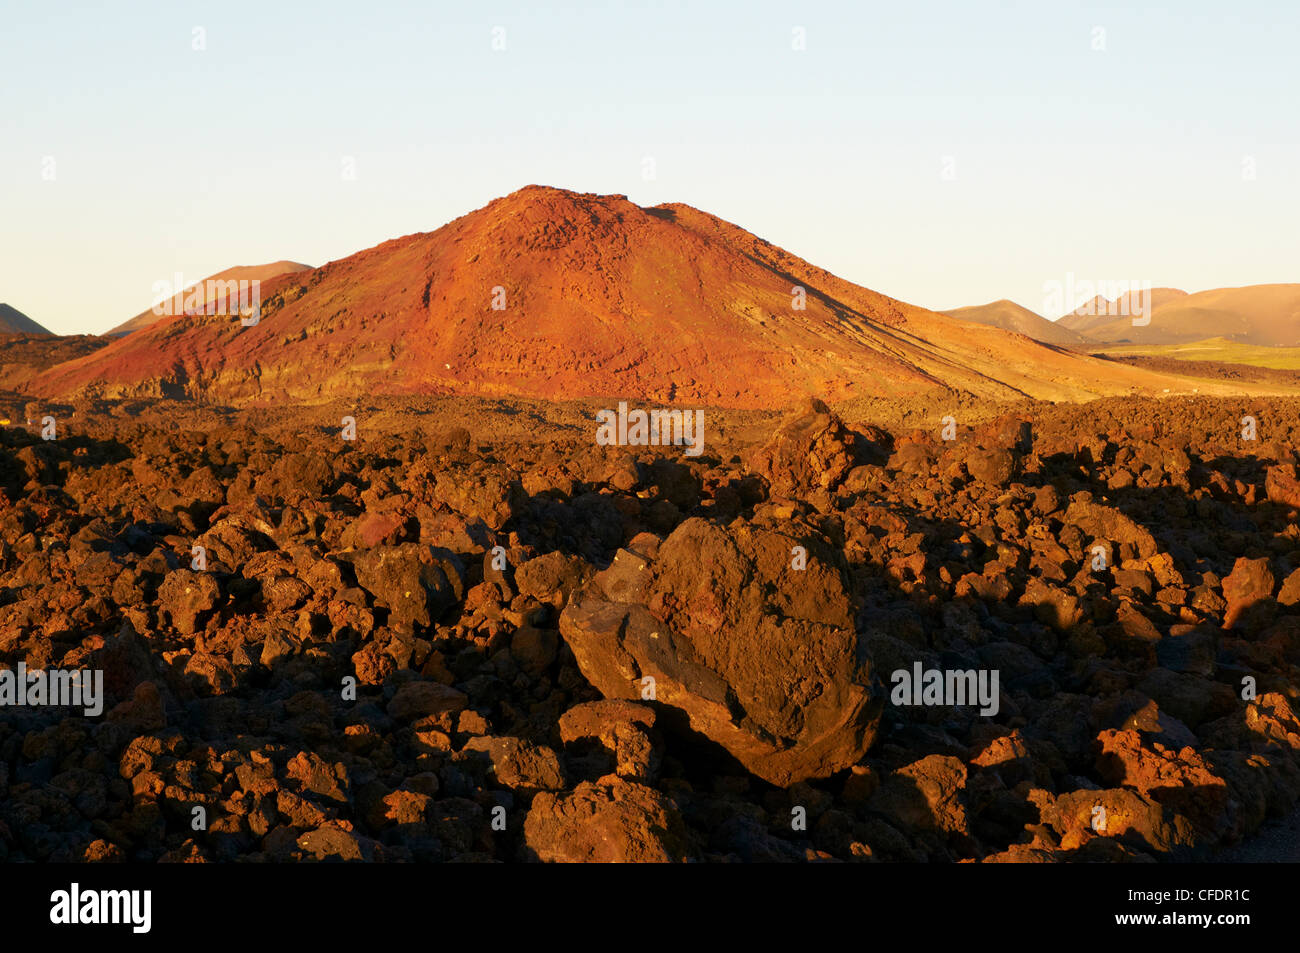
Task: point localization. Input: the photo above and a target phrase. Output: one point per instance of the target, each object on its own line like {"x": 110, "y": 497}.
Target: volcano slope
{"x": 429, "y": 644}
{"x": 224, "y": 288}
{"x": 13, "y": 321}
{"x": 553, "y": 294}
{"x": 1013, "y": 317}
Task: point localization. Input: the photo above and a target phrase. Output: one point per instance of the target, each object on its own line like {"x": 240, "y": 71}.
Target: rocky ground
{"x": 471, "y": 633}
{"x": 23, "y": 356}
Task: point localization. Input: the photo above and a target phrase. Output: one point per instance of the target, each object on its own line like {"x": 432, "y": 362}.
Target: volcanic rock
{"x": 416, "y": 700}
{"x": 762, "y": 658}
{"x": 1106, "y": 524}
{"x": 518, "y": 764}
{"x": 415, "y": 582}
{"x": 1155, "y": 689}
{"x": 811, "y": 450}
{"x": 1282, "y": 486}
{"x": 625, "y": 732}
{"x": 616, "y": 821}
{"x": 186, "y": 595}
{"x": 1250, "y": 582}
{"x": 926, "y": 794}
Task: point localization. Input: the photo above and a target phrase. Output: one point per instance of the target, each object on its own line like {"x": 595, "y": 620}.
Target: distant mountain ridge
{"x": 198, "y": 293}
{"x": 1101, "y": 310}
{"x": 13, "y": 321}
{"x": 1255, "y": 314}
{"x": 1261, "y": 315}
{"x": 1010, "y": 316}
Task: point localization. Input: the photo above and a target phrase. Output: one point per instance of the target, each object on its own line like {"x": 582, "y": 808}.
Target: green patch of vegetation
{"x": 1212, "y": 349}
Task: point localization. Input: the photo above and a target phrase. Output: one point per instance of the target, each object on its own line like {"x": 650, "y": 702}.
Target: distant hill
{"x": 1012, "y": 317}
{"x": 1257, "y": 314}
{"x": 13, "y": 321}
{"x": 1100, "y": 311}
{"x": 197, "y": 292}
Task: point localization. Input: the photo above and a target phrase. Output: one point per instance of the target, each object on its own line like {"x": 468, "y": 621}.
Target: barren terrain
{"x": 508, "y": 685}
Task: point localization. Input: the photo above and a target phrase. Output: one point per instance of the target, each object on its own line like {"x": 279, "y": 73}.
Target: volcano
{"x": 1013, "y": 317}
{"x": 1264, "y": 315}
{"x": 553, "y": 294}
{"x": 197, "y": 294}
{"x": 13, "y": 321}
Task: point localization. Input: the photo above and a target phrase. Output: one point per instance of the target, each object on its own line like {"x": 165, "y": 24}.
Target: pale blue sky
{"x": 1122, "y": 163}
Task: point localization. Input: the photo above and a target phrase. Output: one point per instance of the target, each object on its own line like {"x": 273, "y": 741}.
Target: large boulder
{"x": 416, "y": 700}
{"x": 1282, "y": 486}
{"x": 1119, "y": 813}
{"x": 1107, "y": 524}
{"x": 926, "y": 795}
{"x": 811, "y": 450}
{"x": 517, "y": 764}
{"x": 1182, "y": 781}
{"x": 993, "y": 452}
{"x": 759, "y": 656}
{"x": 1248, "y": 585}
{"x": 185, "y": 596}
{"x": 415, "y": 582}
